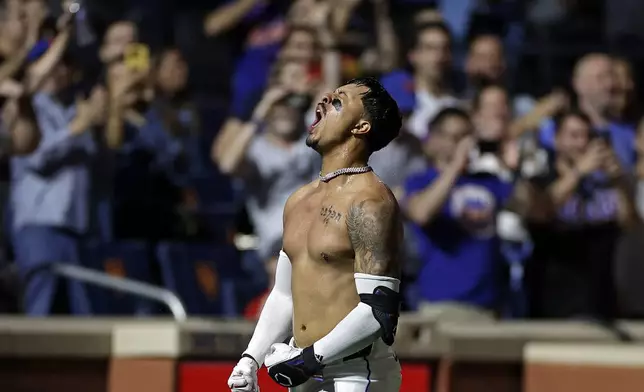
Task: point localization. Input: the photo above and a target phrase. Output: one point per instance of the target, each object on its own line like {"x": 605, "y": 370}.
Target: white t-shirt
{"x": 427, "y": 106}
{"x": 398, "y": 160}
{"x": 276, "y": 172}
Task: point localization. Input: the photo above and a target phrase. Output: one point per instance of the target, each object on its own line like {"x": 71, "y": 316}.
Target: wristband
{"x": 244, "y": 355}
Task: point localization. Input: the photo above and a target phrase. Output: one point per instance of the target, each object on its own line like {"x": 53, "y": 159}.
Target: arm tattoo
{"x": 374, "y": 232}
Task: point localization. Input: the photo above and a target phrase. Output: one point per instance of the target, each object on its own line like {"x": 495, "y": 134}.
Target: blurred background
{"x": 157, "y": 141}
{"x": 147, "y": 148}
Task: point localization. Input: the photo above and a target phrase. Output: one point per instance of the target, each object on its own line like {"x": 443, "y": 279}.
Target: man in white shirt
{"x": 404, "y": 155}
{"x": 431, "y": 59}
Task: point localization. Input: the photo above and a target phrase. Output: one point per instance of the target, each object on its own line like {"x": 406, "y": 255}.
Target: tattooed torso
{"x": 331, "y": 232}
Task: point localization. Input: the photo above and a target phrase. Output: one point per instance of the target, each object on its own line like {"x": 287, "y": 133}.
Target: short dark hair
{"x": 476, "y": 101}
{"x": 560, "y": 117}
{"x": 436, "y": 25}
{"x": 443, "y": 115}
{"x": 381, "y": 110}
{"x": 472, "y": 39}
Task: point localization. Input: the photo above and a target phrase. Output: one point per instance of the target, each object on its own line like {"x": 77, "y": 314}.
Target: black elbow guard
{"x": 385, "y": 304}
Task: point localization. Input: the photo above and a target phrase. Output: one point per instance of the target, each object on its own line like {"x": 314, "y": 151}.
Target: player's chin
{"x": 312, "y": 141}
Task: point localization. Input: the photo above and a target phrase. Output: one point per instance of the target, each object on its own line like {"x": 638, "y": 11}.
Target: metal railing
{"x": 124, "y": 285}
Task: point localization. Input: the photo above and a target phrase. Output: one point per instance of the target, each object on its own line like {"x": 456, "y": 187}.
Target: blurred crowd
{"x": 159, "y": 140}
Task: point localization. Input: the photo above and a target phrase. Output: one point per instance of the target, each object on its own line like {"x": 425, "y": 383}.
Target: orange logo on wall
{"x": 207, "y": 279}
{"x": 115, "y": 267}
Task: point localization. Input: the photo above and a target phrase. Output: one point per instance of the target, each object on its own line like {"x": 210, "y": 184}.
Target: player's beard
{"x": 312, "y": 143}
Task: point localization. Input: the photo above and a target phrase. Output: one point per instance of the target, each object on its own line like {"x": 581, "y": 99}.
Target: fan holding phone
{"x": 137, "y": 57}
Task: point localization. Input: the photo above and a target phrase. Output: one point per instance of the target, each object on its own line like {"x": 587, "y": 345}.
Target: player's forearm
{"x": 275, "y": 321}
{"x": 355, "y": 332}
{"x": 274, "y": 326}
{"x": 425, "y": 205}
{"x": 363, "y": 325}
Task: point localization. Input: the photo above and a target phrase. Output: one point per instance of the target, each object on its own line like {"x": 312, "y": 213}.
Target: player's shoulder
{"x": 375, "y": 197}
{"x": 297, "y": 196}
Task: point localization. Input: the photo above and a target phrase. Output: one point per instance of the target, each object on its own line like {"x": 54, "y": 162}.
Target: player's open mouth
{"x": 320, "y": 111}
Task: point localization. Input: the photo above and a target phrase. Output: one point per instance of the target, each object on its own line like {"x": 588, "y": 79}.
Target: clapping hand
{"x": 91, "y": 111}
{"x": 461, "y": 157}
{"x": 593, "y": 159}
{"x": 612, "y": 166}
{"x": 122, "y": 81}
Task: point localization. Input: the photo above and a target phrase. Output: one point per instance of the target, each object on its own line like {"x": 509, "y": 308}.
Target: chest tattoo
{"x": 328, "y": 213}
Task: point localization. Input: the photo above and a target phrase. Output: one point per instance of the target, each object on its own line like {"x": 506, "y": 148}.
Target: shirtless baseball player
{"x": 336, "y": 300}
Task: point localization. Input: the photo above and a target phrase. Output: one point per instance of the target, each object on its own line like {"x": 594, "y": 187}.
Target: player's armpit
{"x": 375, "y": 231}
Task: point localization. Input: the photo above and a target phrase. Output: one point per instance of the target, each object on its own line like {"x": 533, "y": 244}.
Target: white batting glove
{"x": 244, "y": 376}
{"x": 281, "y": 352}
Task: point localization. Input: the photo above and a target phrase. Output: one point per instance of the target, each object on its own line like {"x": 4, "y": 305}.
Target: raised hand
{"x": 612, "y": 166}
{"x": 270, "y": 98}
{"x": 461, "y": 156}
{"x": 91, "y": 111}
{"x": 122, "y": 81}
{"x": 35, "y": 12}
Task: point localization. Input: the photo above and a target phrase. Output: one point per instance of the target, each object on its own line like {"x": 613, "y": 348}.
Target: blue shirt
{"x": 151, "y": 171}
{"x": 253, "y": 68}
{"x": 53, "y": 186}
{"x": 622, "y": 139}
{"x": 149, "y": 152}
{"x": 459, "y": 250}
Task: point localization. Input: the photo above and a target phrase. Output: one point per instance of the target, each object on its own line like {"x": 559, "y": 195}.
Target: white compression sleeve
{"x": 359, "y": 328}
{"x": 276, "y": 320}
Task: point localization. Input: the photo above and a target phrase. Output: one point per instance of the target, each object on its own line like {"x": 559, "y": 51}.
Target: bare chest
{"x": 316, "y": 229}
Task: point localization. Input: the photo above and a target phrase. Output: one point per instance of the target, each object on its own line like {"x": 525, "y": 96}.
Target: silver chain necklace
{"x": 347, "y": 170}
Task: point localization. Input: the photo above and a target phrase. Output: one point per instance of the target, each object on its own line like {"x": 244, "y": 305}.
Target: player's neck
{"x": 342, "y": 158}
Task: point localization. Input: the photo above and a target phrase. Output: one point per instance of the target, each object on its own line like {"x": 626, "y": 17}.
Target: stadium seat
{"x": 203, "y": 275}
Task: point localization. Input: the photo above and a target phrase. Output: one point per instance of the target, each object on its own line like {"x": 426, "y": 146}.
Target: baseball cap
{"x": 400, "y": 85}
